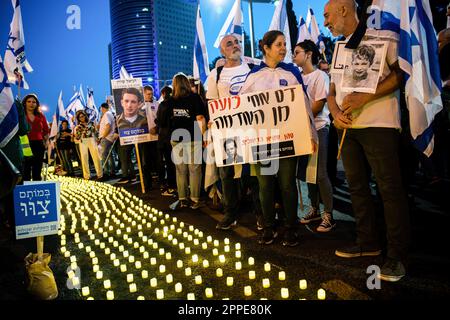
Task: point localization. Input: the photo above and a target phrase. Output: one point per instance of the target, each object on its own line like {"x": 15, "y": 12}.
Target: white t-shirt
{"x": 108, "y": 118}
{"x": 317, "y": 85}
{"x": 230, "y": 82}
{"x": 383, "y": 112}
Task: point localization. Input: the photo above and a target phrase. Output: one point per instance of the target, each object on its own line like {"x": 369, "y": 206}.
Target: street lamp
{"x": 250, "y": 17}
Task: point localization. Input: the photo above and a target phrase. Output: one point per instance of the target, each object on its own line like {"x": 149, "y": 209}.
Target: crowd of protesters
{"x": 372, "y": 150}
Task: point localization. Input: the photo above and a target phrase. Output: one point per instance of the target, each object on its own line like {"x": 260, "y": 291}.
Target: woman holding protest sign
{"x": 273, "y": 73}
{"x": 306, "y": 55}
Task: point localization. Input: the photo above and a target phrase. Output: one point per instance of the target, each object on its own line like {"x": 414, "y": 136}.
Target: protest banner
{"x": 259, "y": 126}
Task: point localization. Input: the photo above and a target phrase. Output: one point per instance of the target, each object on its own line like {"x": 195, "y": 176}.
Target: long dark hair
{"x": 268, "y": 39}
{"x": 181, "y": 86}
{"x": 36, "y": 111}
{"x": 310, "y": 46}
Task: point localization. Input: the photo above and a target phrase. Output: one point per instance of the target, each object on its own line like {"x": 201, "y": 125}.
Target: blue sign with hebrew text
{"x": 37, "y": 208}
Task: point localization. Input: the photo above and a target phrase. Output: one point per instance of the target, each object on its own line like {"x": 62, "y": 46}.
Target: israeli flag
{"x": 75, "y": 104}
{"x": 201, "y": 64}
{"x": 9, "y": 118}
{"x": 60, "y": 110}
{"x": 411, "y": 22}
{"x": 280, "y": 22}
{"x": 91, "y": 108}
{"x": 313, "y": 28}
{"x": 233, "y": 25}
{"x": 15, "y": 57}
{"x": 124, "y": 74}
{"x": 303, "y": 32}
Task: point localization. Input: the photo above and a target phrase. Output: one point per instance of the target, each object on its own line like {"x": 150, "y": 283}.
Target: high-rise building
{"x": 152, "y": 39}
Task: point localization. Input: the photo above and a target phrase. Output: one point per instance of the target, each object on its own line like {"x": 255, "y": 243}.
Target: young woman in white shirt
{"x": 306, "y": 55}
{"x": 274, "y": 74}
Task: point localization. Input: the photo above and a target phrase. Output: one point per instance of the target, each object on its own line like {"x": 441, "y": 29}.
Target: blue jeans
{"x": 288, "y": 187}
{"x": 187, "y": 157}
{"x": 323, "y": 180}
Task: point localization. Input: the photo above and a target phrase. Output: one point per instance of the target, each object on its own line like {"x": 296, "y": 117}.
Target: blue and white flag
{"x": 280, "y": 22}
{"x": 411, "y": 23}
{"x": 9, "y": 118}
{"x": 233, "y": 25}
{"x": 201, "y": 64}
{"x": 91, "y": 108}
{"x": 60, "y": 110}
{"x": 124, "y": 74}
{"x": 58, "y": 117}
{"x": 303, "y": 32}
{"x": 313, "y": 28}
{"x": 15, "y": 57}
{"x": 75, "y": 104}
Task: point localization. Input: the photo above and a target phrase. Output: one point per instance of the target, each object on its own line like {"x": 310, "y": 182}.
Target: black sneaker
{"x": 226, "y": 224}
{"x": 169, "y": 192}
{"x": 123, "y": 181}
{"x": 327, "y": 223}
{"x": 290, "y": 238}
{"x": 357, "y": 251}
{"x": 260, "y": 222}
{"x": 311, "y": 216}
{"x": 392, "y": 271}
{"x": 268, "y": 236}
{"x": 184, "y": 203}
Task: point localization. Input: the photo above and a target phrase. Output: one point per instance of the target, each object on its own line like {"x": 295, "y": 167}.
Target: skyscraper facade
{"x": 152, "y": 39}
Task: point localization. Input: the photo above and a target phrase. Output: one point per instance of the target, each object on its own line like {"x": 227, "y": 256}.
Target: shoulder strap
{"x": 219, "y": 71}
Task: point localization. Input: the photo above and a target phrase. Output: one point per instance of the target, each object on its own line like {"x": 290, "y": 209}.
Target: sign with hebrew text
{"x": 37, "y": 209}
{"x": 260, "y": 126}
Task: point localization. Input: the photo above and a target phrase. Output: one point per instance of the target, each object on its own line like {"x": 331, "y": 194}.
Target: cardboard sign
{"x": 259, "y": 126}
{"x": 37, "y": 209}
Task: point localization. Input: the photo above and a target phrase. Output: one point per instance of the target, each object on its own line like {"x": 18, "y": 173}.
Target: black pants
{"x": 379, "y": 148}
{"x": 166, "y": 164}
{"x": 150, "y": 160}
{"x": 33, "y": 165}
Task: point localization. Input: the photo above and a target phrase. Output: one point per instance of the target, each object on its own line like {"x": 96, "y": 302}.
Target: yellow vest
{"x": 26, "y": 146}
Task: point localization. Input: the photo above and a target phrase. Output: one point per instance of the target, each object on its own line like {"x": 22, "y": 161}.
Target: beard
{"x": 235, "y": 55}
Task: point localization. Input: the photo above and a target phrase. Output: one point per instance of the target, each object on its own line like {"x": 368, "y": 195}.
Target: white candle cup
{"x": 267, "y": 267}
{"x": 169, "y": 278}
{"x": 321, "y": 294}
{"x": 251, "y": 261}
{"x": 162, "y": 268}
{"x": 252, "y": 275}
{"x": 110, "y": 295}
{"x": 144, "y": 274}
{"x": 107, "y": 284}
{"x": 178, "y": 287}
{"x": 237, "y": 246}
{"x": 188, "y": 272}
{"x": 179, "y": 264}
{"x": 130, "y": 277}
{"x": 95, "y": 268}
{"x": 247, "y": 291}
{"x": 85, "y": 291}
{"x": 116, "y": 263}
{"x": 138, "y": 265}
{"x": 282, "y": 275}
{"x": 198, "y": 279}
{"x": 209, "y": 293}
{"x": 219, "y": 273}
{"x": 284, "y": 293}
{"x": 190, "y": 296}
{"x": 153, "y": 261}
{"x": 238, "y": 254}
{"x": 226, "y": 249}
{"x": 215, "y": 252}
{"x": 194, "y": 258}
{"x": 153, "y": 282}
{"x": 222, "y": 258}
{"x": 238, "y": 265}
{"x": 303, "y": 284}
{"x": 168, "y": 256}
{"x": 133, "y": 288}
{"x": 145, "y": 255}
{"x": 266, "y": 283}
{"x": 123, "y": 268}
{"x": 230, "y": 281}
{"x": 99, "y": 275}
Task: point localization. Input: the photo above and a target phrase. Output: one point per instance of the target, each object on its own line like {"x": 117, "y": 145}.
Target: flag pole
{"x": 341, "y": 144}
{"x": 140, "y": 168}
